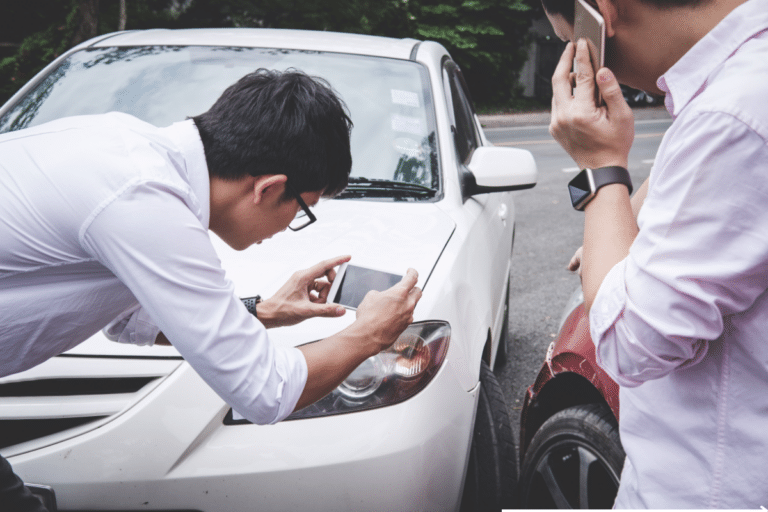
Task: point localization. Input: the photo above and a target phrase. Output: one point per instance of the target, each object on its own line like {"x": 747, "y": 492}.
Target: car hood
{"x": 389, "y": 236}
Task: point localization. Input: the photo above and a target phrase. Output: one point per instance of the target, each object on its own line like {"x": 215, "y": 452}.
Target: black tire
{"x": 574, "y": 461}
{"x": 492, "y": 468}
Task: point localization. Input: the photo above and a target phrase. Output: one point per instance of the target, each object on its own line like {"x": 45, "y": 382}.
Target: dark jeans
{"x": 14, "y": 497}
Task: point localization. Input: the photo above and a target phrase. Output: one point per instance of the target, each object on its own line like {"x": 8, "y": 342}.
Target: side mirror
{"x": 495, "y": 169}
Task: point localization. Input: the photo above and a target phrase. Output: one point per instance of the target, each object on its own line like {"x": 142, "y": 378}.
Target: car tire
{"x": 574, "y": 461}
{"x": 492, "y": 467}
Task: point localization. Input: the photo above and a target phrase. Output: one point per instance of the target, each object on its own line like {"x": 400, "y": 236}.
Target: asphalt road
{"x": 548, "y": 231}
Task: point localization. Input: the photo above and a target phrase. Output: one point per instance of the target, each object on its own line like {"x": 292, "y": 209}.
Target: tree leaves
{"x": 487, "y": 38}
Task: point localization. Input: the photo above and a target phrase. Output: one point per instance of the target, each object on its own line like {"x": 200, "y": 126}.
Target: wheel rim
{"x": 572, "y": 474}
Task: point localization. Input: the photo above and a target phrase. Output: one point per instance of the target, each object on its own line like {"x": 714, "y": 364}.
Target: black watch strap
{"x": 613, "y": 174}
{"x": 250, "y": 304}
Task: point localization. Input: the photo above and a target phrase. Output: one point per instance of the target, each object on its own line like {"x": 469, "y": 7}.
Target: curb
{"x": 542, "y": 118}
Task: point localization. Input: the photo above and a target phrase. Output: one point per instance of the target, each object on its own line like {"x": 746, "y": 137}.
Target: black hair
{"x": 272, "y": 122}
{"x": 565, "y": 7}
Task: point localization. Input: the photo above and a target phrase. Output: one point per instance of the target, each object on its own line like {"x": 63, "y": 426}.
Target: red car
{"x": 569, "y": 436}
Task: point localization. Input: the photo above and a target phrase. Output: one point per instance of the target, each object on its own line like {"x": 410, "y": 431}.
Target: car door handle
{"x": 502, "y": 212}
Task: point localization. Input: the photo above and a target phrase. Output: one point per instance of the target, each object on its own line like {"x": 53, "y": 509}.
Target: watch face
{"x": 579, "y": 189}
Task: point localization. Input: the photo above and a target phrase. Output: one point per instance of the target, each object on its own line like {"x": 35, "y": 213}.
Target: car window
{"x": 389, "y": 100}
{"x": 466, "y": 137}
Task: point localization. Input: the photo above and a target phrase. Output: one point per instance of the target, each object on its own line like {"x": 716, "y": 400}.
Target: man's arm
{"x": 303, "y": 296}
{"x": 636, "y": 201}
{"x": 638, "y": 198}
{"x": 381, "y": 318}
{"x": 596, "y": 137}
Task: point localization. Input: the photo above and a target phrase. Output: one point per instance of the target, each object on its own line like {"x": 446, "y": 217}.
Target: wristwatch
{"x": 250, "y": 304}
{"x": 585, "y": 185}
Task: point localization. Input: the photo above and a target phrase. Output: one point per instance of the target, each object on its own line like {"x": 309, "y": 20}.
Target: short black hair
{"x": 565, "y": 8}
{"x": 273, "y": 122}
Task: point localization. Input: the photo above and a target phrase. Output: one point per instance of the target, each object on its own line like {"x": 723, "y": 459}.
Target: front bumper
{"x": 171, "y": 451}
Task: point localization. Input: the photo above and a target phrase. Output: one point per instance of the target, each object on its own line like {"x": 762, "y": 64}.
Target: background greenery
{"x": 487, "y": 38}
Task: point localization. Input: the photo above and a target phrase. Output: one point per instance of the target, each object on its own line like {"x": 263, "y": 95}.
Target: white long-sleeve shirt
{"x": 682, "y": 323}
{"x": 101, "y": 213}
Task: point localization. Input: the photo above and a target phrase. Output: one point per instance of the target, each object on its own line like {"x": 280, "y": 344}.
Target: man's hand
{"x": 303, "y": 296}
{"x": 381, "y": 318}
{"x": 386, "y": 314}
{"x": 593, "y": 136}
{"x": 575, "y": 264}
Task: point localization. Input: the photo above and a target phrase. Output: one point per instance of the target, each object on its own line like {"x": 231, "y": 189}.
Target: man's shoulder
{"x": 108, "y": 121}
{"x": 126, "y": 145}
{"x": 738, "y": 87}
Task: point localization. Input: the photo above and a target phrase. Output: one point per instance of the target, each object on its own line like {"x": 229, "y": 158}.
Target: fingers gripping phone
{"x": 590, "y": 25}
{"x": 353, "y": 282}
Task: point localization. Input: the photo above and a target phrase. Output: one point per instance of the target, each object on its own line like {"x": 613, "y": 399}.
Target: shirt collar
{"x": 187, "y": 138}
{"x": 688, "y": 76}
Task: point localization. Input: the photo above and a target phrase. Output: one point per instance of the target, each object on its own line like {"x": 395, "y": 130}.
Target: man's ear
{"x": 609, "y": 11}
{"x": 268, "y": 186}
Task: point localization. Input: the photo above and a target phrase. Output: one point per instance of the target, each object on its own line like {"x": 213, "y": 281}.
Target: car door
{"x": 490, "y": 237}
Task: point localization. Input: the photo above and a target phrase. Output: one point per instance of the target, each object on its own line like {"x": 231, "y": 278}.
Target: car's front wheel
{"x": 574, "y": 461}
{"x": 492, "y": 469}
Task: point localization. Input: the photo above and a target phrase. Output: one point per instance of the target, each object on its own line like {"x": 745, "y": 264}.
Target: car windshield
{"x": 393, "y": 139}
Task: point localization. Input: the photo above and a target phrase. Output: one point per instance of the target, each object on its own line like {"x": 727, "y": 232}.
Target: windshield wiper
{"x": 364, "y": 187}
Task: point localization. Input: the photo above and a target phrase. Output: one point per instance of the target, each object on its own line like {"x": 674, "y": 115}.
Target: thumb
{"x": 409, "y": 280}
{"x": 610, "y": 90}
{"x": 328, "y": 310}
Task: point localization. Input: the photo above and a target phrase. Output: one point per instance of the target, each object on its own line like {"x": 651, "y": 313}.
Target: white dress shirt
{"x": 682, "y": 323}
{"x": 99, "y": 214}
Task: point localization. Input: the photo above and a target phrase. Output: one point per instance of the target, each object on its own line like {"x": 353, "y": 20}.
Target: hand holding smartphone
{"x": 590, "y": 25}
{"x": 353, "y": 282}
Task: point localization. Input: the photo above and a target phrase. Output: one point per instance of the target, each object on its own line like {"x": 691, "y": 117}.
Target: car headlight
{"x": 389, "y": 377}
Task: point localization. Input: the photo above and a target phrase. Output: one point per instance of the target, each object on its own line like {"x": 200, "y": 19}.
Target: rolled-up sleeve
{"x": 701, "y": 253}
{"x": 133, "y": 326}
{"x": 150, "y": 239}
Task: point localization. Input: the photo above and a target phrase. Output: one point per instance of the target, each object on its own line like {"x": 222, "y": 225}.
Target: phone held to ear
{"x": 590, "y": 25}
{"x": 353, "y": 282}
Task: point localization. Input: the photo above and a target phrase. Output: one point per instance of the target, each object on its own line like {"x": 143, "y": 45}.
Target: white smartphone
{"x": 590, "y": 25}
{"x": 353, "y": 282}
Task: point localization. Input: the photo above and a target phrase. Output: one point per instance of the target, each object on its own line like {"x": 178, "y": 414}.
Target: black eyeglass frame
{"x": 304, "y": 207}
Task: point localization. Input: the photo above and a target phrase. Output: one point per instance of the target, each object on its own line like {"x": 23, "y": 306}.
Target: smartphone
{"x": 353, "y": 282}
{"x": 590, "y": 25}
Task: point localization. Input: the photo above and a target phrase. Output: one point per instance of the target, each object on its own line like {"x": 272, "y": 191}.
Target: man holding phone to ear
{"x": 677, "y": 289}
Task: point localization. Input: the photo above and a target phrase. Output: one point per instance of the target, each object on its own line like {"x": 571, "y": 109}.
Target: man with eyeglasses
{"x": 104, "y": 220}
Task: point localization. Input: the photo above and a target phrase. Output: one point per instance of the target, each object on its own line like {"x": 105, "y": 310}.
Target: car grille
{"x": 70, "y": 395}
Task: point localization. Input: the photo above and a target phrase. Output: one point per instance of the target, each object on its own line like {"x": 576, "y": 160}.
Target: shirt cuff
{"x": 630, "y": 345}
{"x": 292, "y": 369}
{"x": 133, "y": 326}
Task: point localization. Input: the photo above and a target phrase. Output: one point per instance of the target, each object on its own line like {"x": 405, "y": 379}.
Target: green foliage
{"x": 487, "y": 38}
{"x": 38, "y": 48}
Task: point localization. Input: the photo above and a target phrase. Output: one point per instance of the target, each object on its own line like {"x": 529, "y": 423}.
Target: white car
{"x": 422, "y": 427}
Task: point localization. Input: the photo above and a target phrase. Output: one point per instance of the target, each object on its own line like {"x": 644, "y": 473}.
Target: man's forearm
{"x": 609, "y": 230}
{"x": 331, "y": 360}
{"x": 638, "y": 198}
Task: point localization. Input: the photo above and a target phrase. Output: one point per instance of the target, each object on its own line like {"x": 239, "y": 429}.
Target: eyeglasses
{"x": 305, "y": 217}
